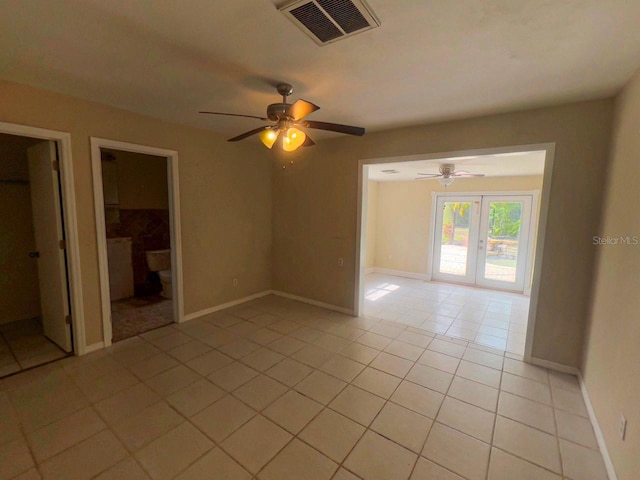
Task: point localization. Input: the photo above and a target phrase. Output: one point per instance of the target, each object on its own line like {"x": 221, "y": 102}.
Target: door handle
{"x": 34, "y": 254}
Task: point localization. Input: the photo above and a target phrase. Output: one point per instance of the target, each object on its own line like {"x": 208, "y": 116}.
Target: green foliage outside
{"x": 456, "y": 215}
{"x": 504, "y": 219}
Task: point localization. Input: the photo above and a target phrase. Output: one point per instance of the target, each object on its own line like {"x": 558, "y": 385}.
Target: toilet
{"x": 160, "y": 261}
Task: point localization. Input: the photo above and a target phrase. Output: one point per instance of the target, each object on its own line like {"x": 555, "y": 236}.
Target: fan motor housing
{"x": 276, "y": 111}
{"x": 447, "y": 169}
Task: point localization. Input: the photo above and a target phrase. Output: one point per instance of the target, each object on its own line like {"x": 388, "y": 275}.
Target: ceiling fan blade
{"x": 248, "y": 134}
{"x": 467, "y": 174}
{"x": 236, "y": 115}
{"x": 335, "y": 127}
{"x": 308, "y": 142}
{"x": 430, "y": 175}
{"x": 301, "y": 108}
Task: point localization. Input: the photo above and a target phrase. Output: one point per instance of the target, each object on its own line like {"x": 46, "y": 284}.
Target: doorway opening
{"x": 138, "y": 237}
{"x": 35, "y": 313}
{"x": 455, "y": 256}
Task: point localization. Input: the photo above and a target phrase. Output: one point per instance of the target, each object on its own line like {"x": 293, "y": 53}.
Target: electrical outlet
{"x": 340, "y": 262}
{"x": 235, "y": 282}
{"x": 622, "y": 428}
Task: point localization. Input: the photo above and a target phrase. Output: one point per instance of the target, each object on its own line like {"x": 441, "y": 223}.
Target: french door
{"x": 482, "y": 240}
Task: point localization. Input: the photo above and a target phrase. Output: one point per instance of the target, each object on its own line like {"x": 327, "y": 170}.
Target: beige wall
{"x": 225, "y": 195}
{"x": 19, "y": 292}
{"x": 403, "y": 232}
{"x": 372, "y": 221}
{"x": 142, "y": 180}
{"x": 315, "y": 208}
{"x": 612, "y": 351}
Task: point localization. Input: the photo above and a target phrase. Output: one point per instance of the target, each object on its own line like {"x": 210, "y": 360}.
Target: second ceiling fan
{"x": 448, "y": 174}
{"x": 288, "y": 118}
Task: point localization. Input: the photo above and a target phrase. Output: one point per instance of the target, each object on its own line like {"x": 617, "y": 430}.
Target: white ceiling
{"x": 428, "y": 61}
{"x": 501, "y": 165}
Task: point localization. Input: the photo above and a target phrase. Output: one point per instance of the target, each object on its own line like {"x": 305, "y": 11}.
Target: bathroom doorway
{"x": 136, "y": 215}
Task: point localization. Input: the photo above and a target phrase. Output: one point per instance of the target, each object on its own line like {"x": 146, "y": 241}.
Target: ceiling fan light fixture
{"x": 446, "y": 181}
{"x": 287, "y": 117}
{"x": 293, "y": 139}
{"x": 269, "y": 137}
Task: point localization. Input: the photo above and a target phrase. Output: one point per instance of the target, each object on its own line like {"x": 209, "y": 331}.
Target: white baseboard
{"x": 558, "y": 367}
{"x": 232, "y": 303}
{"x": 401, "y": 273}
{"x": 92, "y": 348}
{"x": 369, "y": 270}
{"x": 310, "y": 301}
{"x": 596, "y": 429}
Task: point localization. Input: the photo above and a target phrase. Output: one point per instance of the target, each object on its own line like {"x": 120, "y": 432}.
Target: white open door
{"x": 456, "y": 238}
{"x": 503, "y": 248}
{"x": 47, "y": 226}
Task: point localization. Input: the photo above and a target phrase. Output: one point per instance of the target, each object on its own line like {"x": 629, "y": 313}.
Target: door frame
{"x": 174, "y": 225}
{"x": 74, "y": 274}
{"x": 531, "y": 237}
{"x": 361, "y": 219}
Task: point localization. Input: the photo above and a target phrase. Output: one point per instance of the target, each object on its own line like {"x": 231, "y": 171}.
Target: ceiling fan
{"x": 288, "y": 118}
{"x": 448, "y": 174}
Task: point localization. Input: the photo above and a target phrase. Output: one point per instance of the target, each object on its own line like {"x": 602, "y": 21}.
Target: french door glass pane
{"x": 455, "y": 238}
{"x": 502, "y": 241}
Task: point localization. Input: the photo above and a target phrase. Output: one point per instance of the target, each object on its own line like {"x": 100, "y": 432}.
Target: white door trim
{"x": 361, "y": 234}
{"x": 63, "y": 143}
{"x": 174, "y": 220}
{"x": 539, "y": 246}
{"x": 533, "y": 226}
{"x": 549, "y": 149}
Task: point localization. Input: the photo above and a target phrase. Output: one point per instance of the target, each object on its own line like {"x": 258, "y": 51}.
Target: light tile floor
{"x": 277, "y": 390}
{"x": 23, "y": 345}
{"x": 488, "y": 317}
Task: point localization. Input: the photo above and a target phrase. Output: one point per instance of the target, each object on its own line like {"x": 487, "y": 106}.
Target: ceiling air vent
{"x": 327, "y": 21}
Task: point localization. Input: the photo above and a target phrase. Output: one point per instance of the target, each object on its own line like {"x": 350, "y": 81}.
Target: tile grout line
{"x": 424, "y": 443}
{"x": 318, "y": 369}
{"x": 495, "y": 421}
{"x": 325, "y": 407}
{"x": 107, "y": 426}
{"x": 260, "y": 412}
{"x": 188, "y": 420}
{"x": 25, "y": 440}
{"x": 15, "y": 359}
{"x": 555, "y": 422}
